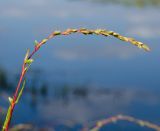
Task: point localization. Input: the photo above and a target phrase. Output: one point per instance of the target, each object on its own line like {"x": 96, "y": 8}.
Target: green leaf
{"x": 10, "y": 99}
{"x": 7, "y": 117}
{"x": 26, "y": 56}
{"x": 21, "y": 91}
{"x": 36, "y": 42}
{"x": 29, "y": 61}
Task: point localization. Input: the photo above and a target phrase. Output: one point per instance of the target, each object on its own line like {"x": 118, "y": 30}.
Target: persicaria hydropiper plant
{"x": 28, "y": 61}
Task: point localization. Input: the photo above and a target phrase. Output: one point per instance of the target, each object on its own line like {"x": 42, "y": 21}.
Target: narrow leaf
{"x": 10, "y": 99}
{"x": 21, "y": 91}
{"x": 36, "y": 42}
{"x": 7, "y": 118}
{"x": 26, "y": 56}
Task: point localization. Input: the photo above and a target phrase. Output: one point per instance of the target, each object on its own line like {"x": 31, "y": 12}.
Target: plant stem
{"x": 28, "y": 57}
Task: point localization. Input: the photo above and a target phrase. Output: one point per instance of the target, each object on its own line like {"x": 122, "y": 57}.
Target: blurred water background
{"x": 77, "y": 80}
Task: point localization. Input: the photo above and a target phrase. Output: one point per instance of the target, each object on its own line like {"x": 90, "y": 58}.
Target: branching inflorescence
{"x": 28, "y": 61}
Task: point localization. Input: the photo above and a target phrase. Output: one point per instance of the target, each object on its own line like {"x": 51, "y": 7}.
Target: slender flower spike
{"x": 28, "y": 61}
{"x": 113, "y": 119}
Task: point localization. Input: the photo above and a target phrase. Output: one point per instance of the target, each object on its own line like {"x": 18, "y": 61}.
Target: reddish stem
{"x": 66, "y": 32}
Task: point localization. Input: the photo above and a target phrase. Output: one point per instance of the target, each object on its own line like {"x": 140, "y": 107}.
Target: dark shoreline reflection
{"x": 3, "y": 79}
{"x": 57, "y": 106}
{"x": 136, "y": 3}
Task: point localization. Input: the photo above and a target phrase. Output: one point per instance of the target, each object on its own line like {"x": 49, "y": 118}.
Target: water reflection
{"x": 138, "y": 3}
{"x": 94, "y": 104}
{"x": 70, "y": 107}
{"x": 3, "y": 79}
{"x": 81, "y": 79}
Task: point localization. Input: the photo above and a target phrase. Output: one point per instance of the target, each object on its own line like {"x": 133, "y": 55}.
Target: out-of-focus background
{"x": 77, "y": 80}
